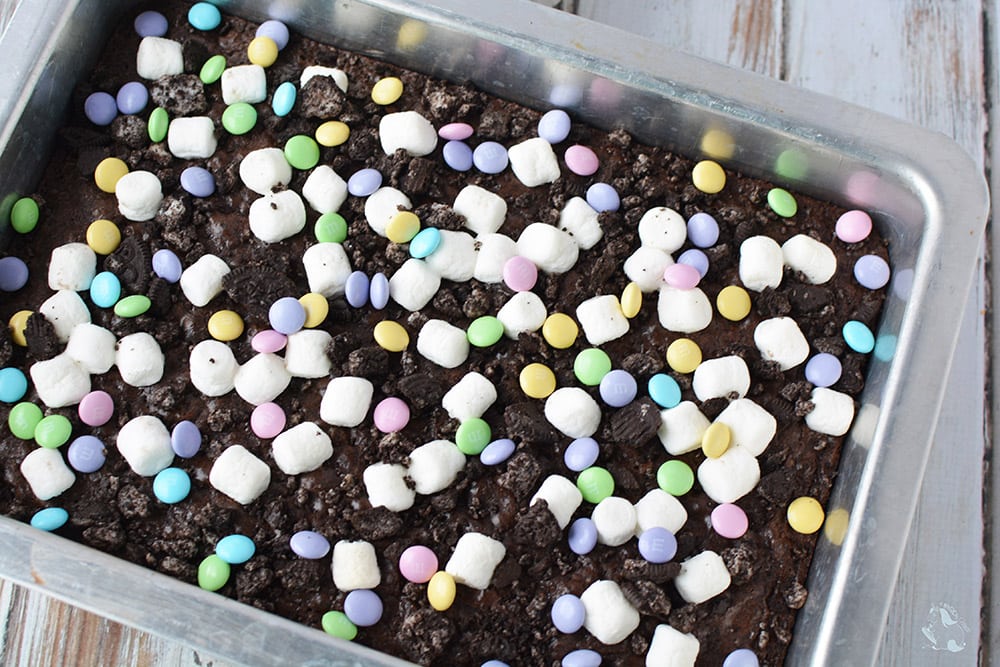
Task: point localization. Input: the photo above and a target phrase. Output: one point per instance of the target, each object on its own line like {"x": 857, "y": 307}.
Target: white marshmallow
{"x": 550, "y": 248}
{"x": 265, "y": 169}
{"x": 681, "y": 428}
{"x": 455, "y": 257}
{"x": 46, "y": 473}
{"x": 139, "y": 195}
{"x": 338, "y": 75}
{"x": 494, "y": 251}
{"x": 780, "y": 339}
{"x": 645, "y": 267}
{"x": 192, "y": 138}
{"x": 407, "y": 130}
{"x": 602, "y": 319}
{"x": 72, "y": 266}
{"x": 562, "y": 497}
{"x": 702, "y": 577}
{"x": 64, "y": 310}
{"x": 244, "y": 83}
{"x": 386, "y": 486}
{"x": 672, "y": 647}
{"x": 443, "y": 343}
{"x": 59, "y": 381}
{"x": 346, "y": 401}
{"x": 302, "y": 448}
{"x": 434, "y": 466}
{"x": 751, "y": 426}
{"x": 832, "y": 411}
{"x": 534, "y": 162}
{"x": 325, "y": 190}
{"x": 355, "y": 566}
{"x": 144, "y": 442}
{"x": 139, "y": 360}
{"x": 523, "y": 312}
{"x": 470, "y": 397}
{"x": 158, "y": 57}
{"x": 810, "y": 257}
{"x": 659, "y": 509}
{"x": 580, "y": 221}
{"x": 484, "y": 212}
{"x": 202, "y": 281}
{"x": 213, "y": 368}
{"x": 683, "y": 310}
{"x": 573, "y": 412}
{"x": 718, "y": 378}
{"x": 609, "y": 616}
{"x": 615, "y": 519}
{"x": 92, "y": 347}
{"x": 662, "y": 228}
{"x": 305, "y": 354}
{"x": 762, "y": 263}
{"x": 414, "y": 284}
{"x": 240, "y": 475}
{"x": 729, "y": 477}
{"x": 382, "y": 206}
{"x": 277, "y": 216}
{"x": 261, "y": 379}
{"x": 327, "y": 268}
{"x": 475, "y": 558}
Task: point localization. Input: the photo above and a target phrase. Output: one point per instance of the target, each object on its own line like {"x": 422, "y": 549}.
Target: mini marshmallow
{"x": 762, "y": 263}
{"x": 325, "y": 190}
{"x": 382, "y": 205}
{"x": 683, "y": 310}
{"x": 672, "y": 647}
{"x": 355, "y": 566}
{"x": 573, "y": 412}
{"x": 277, "y": 216}
{"x": 407, "y": 130}
{"x": 809, "y": 257}
{"x": 46, "y": 473}
{"x": 64, "y": 310}
{"x": 261, "y": 379}
{"x": 302, "y": 448}
{"x": 494, "y": 251}
{"x": 144, "y": 442}
{"x": 434, "y": 466}
{"x": 72, "y": 266}
{"x": 92, "y": 347}
{"x": 645, "y": 267}
{"x": 550, "y": 248}
{"x": 244, "y": 83}
{"x": 659, "y": 509}
{"x": 729, "y": 477}
{"x": 158, "y": 57}
{"x": 338, "y": 75}
{"x": 780, "y": 339}
{"x": 59, "y": 381}
{"x": 681, "y": 428}
{"x": 470, "y": 397}
{"x": 240, "y": 475}
{"x": 602, "y": 319}
{"x": 305, "y": 354}
{"x": 580, "y": 221}
{"x": 475, "y": 558}
{"x": 752, "y": 427}
{"x": 718, "y": 378}
{"x": 443, "y": 343}
{"x": 662, "y": 228}
{"x": 139, "y": 360}
{"x": 346, "y": 401}
{"x": 609, "y": 616}
{"x": 702, "y": 577}
{"x": 202, "y": 281}
{"x": 533, "y": 162}
{"x": 327, "y": 268}
{"x": 455, "y": 257}
{"x": 523, "y": 312}
{"x": 192, "y": 138}
{"x": 615, "y": 519}
{"x": 387, "y": 487}
{"x": 562, "y": 497}
{"x": 139, "y": 195}
{"x": 213, "y": 368}
{"x": 832, "y": 411}
{"x": 414, "y": 284}
{"x": 265, "y": 169}
{"x": 484, "y": 212}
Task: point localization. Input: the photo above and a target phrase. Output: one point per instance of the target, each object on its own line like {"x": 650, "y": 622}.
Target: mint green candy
{"x": 24, "y": 215}
{"x": 213, "y": 573}
{"x": 330, "y": 228}
{"x": 782, "y": 202}
{"x": 23, "y": 419}
{"x": 591, "y": 365}
{"x": 159, "y": 122}
{"x": 337, "y": 624}
{"x": 472, "y": 436}
{"x": 53, "y": 431}
{"x": 132, "y": 306}
{"x": 239, "y": 118}
{"x": 484, "y": 331}
{"x": 596, "y": 484}
{"x": 212, "y": 70}
{"x": 302, "y": 152}
{"x": 675, "y": 477}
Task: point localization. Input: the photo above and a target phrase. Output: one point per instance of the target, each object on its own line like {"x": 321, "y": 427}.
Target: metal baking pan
{"x": 927, "y": 197}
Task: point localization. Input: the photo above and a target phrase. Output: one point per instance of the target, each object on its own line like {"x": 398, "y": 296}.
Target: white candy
{"x": 615, "y": 519}
{"x": 609, "y": 616}
{"x": 386, "y": 486}
{"x": 434, "y": 466}
{"x": 64, "y": 310}
{"x": 523, "y": 312}
{"x": 573, "y": 412}
{"x": 305, "y": 354}
{"x": 832, "y": 411}
{"x": 780, "y": 339}
{"x": 382, "y": 206}
{"x": 327, "y": 268}
{"x": 683, "y": 310}
{"x": 59, "y": 381}
{"x": 645, "y": 267}
{"x": 475, "y": 558}
{"x": 580, "y": 221}
{"x": 46, "y": 473}
{"x": 414, "y": 284}
{"x": 261, "y": 379}
{"x": 265, "y": 169}
{"x": 534, "y": 162}
{"x": 659, "y": 509}
{"x": 702, "y": 577}
{"x": 244, "y": 83}
{"x": 158, "y": 57}
{"x": 302, "y": 448}
{"x": 407, "y": 130}
{"x": 139, "y": 360}
{"x": 139, "y": 195}
{"x": 443, "y": 343}
{"x": 662, "y": 228}
{"x": 602, "y": 319}
{"x": 484, "y": 212}
{"x": 562, "y": 497}
{"x": 672, "y": 647}
{"x": 355, "y": 566}
{"x": 718, "y": 378}
{"x": 731, "y": 476}
{"x": 240, "y": 475}
{"x": 144, "y": 442}
{"x": 192, "y": 138}
{"x": 550, "y": 248}
{"x": 338, "y": 75}
{"x": 277, "y": 216}
{"x": 92, "y": 347}
{"x": 810, "y": 257}
{"x": 455, "y": 257}
{"x": 72, "y": 266}
{"x": 762, "y": 263}
{"x": 346, "y": 401}
{"x": 202, "y": 281}
{"x": 494, "y": 251}
{"x": 681, "y": 428}
{"x": 752, "y": 427}
{"x": 325, "y": 190}
{"x": 470, "y": 397}
{"x": 213, "y": 368}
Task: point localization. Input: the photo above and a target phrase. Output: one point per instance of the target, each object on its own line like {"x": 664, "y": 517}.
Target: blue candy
{"x": 703, "y": 230}
{"x": 276, "y": 30}
{"x": 167, "y": 265}
{"x": 602, "y": 197}
{"x": 657, "y": 545}
{"x": 171, "y": 485}
{"x": 132, "y": 98}
{"x": 50, "y": 518}
{"x": 568, "y": 613}
{"x": 378, "y": 291}
{"x": 105, "y": 289}
{"x": 554, "y": 126}
{"x": 235, "y": 549}
{"x": 86, "y": 454}
{"x": 151, "y": 24}
{"x": 425, "y": 242}
{"x": 13, "y": 274}
{"x": 582, "y": 536}
{"x": 582, "y": 657}
{"x": 13, "y": 385}
{"x": 457, "y": 155}
{"x": 696, "y": 258}
{"x": 284, "y": 98}
{"x": 858, "y": 337}
{"x": 581, "y": 454}
{"x": 490, "y": 157}
{"x": 185, "y": 439}
{"x": 664, "y": 390}
{"x": 364, "y": 182}
{"x": 198, "y": 182}
{"x": 357, "y": 288}
{"x": 618, "y": 388}
{"x": 100, "y": 108}
{"x": 204, "y": 16}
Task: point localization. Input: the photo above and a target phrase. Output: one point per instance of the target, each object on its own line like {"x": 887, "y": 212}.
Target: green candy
{"x": 484, "y": 331}
{"x": 23, "y": 419}
{"x": 159, "y": 122}
{"x": 24, "y": 215}
{"x": 302, "y": 152}
{"x": 596, "y": 484}
{"x": 782, "y": 202}
{"x": 132, "y": 306}
{"x": 675, "y": 477}
{"x": 213, "y": 573}
{"x": 337, "y": 624}
{"x": 330, "y": 228}
{"x": 212, "y": 70}
{"x": 239, "y": 118}
{"x": 53, "y": 431}
{"x": 472, "y": 436}
{"x": 591, "y": 365}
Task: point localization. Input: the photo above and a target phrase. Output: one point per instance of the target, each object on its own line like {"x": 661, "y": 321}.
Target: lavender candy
{"x": 309, "y": 544}
{"x": 582, "y": 536}
{"x": 185, "y": 439}
{"x": 132, "y": 98}
{"x": 167, "y": 265}
{"x": 100, "y": 108}
{"x": 151, "y": 24}
{"x": 696, "y": 258}
{"x": 823, "y": 369}
{"x": 554, "y": 126}
{"x": 581, "y": 454}
{"x": 86, "y": 454}
{"x": 356, "y": 289}
{"x": 490, "y": 157}
{"x": 703, "y": 230}
{"x": 198, "y": 182}
{"x": 364, "y": 182}
{"x": 13, "y": 274}
{"x": 602, "y": 197}
{"x": 276, "y": 30}
{"x": 363, "y": 607}
{"x": 457, "y": 155}
{"x": 618, "y": 388}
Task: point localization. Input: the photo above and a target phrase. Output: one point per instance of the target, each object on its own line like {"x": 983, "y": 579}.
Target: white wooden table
{"x": 921, "y": 60}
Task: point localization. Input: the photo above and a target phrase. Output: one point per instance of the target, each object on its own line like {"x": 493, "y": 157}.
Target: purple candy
{"x": 363, "y": 607}
{"x": 167, "y": 265}
{"x": 100, "y": 108}
{"x": 823, "y": 369}
{"x": 703, "y": 230}
{"x": 86, "y": 454}
{"x": 132, "y": 98}
{"x": 356, "y": 289}
{"x": 582, "y": 657}
{"x": 554, "y": 126}
{"x": 276, "y": 30}
{"x": 582, "y": 536}
{"x": 185, "y": 439}
{"x": 618, "y": 388}
{"x": 497, "y": 452}
{"x": 494, "y": 663}
{"x": 309, "y": 544}
{"x": 657, "y": 545}
{"x": 151, "y": 24}
{"x": 695, "y": 258}
{"x": 581, "y": 454}
{"x": 457, "y": 155}
{"x": 13, "y": 274}
{"x": 286, "y": 315}
{"x": 871, "y": 271}
{"x": 364, "y": 182}
{"x": 490, "y": 157}
{"x": 198, "y": 182}
{"x": 602, "y": 197}
{"x": 568, "y": 613}
{"x": 741, "y": 657}
{"x": 378, "y": 291}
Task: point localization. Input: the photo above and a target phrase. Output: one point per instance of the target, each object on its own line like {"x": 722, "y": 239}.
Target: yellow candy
{"x": 103, "y": 236}
{"x": 402, "y": 227}
{"x": 225, "y": 325}
{"x": 560, "y": 331}
{"x": 708, "y": 177}
{"x": 387, "y": 90}
{"x": 733, "y": 303}
{"x": 631, "y": 300}
{"x": 805, "y": 515}
{"x": 835, "y": 527}
{"x": 332, "y": 133}
{"x": 316, "y": 307}
{"x": 718, "y": 144}
{"x": 391, "y": 336}
{"x": 441, "y": 590}
{"x": 716, "y": 440}
{"x": 108, "y": 171}
{"x": 537, "y": 380}
{"x": 684, "y": 355}
{"x": 262, "y": 51}
{"x": 16, "y": 325}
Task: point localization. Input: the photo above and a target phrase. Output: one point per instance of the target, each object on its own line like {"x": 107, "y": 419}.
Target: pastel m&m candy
{"x": 235, "y": 549}
{"x": 86, "y": 454}
{"x": 267, "y": 420}
{"x": 853, "y": 226}
{"x": 581, "y": 160}
{"x": 805, "y": 515}
{"x": 418, "y": 564}
{"x": 730, "y": 521}
{"x": 520, "y": 273}
{"x": 391, "y": 415}
{"x": 657, "y": 545}
{"x": 708, "y": 176}
{"x": 363, "y": 607}
{"x": 568, "y": 613}
{"x": 537, "y": 380}
{"x": 96, "y": 408}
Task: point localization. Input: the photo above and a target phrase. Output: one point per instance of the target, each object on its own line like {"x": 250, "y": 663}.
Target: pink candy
{"x": 455, "y": 131}
{"x": 854, "y": 226}
{"x": 418, "y": 564}
{"x": 729, "y": 521}
{"x": 520, "y": 273}
{"x": 681, "y": 276}
{"x": 391, "y": 414}
{"x": 96, "y": 408}
{"x": 267, "y": 420}
{"x": 268, "y": 341}
{"x": 581, "y": 160}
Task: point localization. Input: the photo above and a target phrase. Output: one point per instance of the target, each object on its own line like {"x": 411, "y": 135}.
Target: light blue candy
{"x": 554, "y": 126}
{"x": 425, "y": 242}
{"x": 858, "y": 337}
{"x": 581, "y": 454}
{"x": 13, "y": 385}
{"x": 171, "y": 485}
{"x": 105, "y": 289}
{"x": 664, "y": 390}
{"x": 50, "y": 518}
{"x": 582, "y": 536}
{"x": 284, "y": 99}
{"x": 204, "y": 16}
{"x": 378, "y": 291}
{"x": 582, "y": 657}
{"x": 235, "y": 549}
{"x": 457, "y": 155}
{"x": 568, "y": 613}
{"x": 497, "y": 452}
{"x": 357, "y": 288}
